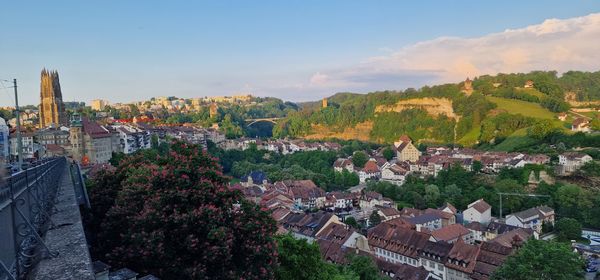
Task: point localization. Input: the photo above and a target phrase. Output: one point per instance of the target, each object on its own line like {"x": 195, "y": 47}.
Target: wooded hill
{"x": 486, "y": 110}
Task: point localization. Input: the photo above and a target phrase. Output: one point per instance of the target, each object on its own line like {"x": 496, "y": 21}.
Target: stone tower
{"x": 467, "y": 87}
{"x": 213, "y": 110}
{"x": 324, "y": 102}
{"x": 52, "y": 109}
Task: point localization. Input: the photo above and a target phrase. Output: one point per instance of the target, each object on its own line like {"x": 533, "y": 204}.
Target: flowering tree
{"x": 172, "y": 215}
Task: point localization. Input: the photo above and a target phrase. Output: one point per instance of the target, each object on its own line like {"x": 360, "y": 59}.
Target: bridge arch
{"x": 254, "y": 121}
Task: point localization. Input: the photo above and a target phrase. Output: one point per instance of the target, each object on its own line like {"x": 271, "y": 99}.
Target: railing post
{"x": 15, "y": 229}
{"x": 29, "y": 196}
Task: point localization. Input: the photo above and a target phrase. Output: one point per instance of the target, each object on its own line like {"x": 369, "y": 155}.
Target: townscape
{"x": 449, "y": 158}
{"x": 444, "y": 242}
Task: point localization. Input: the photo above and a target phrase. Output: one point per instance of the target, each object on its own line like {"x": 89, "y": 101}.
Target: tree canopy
{"x": 568, "y": 229}
{"x": 541, "y": 260}
{"x": 300, "y": 259}
{"x": 359, "y": 159}
{"x": 173, "y": 215}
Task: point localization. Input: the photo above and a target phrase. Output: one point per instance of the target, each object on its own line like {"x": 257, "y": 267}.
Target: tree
{"x": 591, "y": 169}
{"x": 477, "y": 166}
{"x": 154, "y": 141}
{"x": 359, "y": 159}
{"x": 374, "y": 219}
{"x": 510, "y": 204}
{"x": 595, "y": 124}
{"x": 230, "y": 128}
{"x": 301, "y": 260}
{"x": 432, "y": 195}
{"x": 572, "y": 201}
{"x": 547, "y": 227}
{"x": 388, "y": 153}
{"x": 173, "y": 216}
{"x": 351, "y": 221}
{"x": 541, "y": 129}
{"x": 116, "y": 158}
{"x": 540, "y": 259}
{"x": 568, "y": 229}
{"x": 364, "y": 267}
{"x": 453, "y": 194}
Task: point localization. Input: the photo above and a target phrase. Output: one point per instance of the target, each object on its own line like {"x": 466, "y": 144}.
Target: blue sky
{"x": 296, "y": 50}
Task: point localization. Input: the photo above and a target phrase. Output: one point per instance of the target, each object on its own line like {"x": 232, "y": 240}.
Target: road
{"x": 580, "y": 115}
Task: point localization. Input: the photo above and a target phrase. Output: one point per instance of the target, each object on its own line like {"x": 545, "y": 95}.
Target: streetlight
{"x": 19, "y": 139}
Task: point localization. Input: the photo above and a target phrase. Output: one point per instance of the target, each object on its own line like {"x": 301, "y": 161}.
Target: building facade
{"x": 4, "y": 144}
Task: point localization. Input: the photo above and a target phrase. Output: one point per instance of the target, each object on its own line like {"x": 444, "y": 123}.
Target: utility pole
{"x": 518, "y": 194}
{"x": 19, "y": 139}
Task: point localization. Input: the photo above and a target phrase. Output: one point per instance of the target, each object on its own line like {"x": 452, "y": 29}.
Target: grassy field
{"x": 513, "y": 106}
{"x": 471, "y": 137}
{"x": 518, "y": 139}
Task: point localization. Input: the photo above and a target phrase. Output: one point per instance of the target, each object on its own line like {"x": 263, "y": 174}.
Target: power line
{"x": 518, "y": 194}
{"x": 6, "y": 89}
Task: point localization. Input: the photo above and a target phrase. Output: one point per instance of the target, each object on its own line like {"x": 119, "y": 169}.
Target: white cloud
{"x": 555, "y": 44}
{"x": 318, "y": 79}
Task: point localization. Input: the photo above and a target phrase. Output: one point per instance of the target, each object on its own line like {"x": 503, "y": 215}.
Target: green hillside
{"x": 498, "y": 113}
{"x": 529, "y": 109}
{"x": 471, "y": 138}
{"x": 517, "y": 139}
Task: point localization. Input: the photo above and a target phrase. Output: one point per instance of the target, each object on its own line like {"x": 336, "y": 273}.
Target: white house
{"x": 581, "y": 125}
{"x": 341, "y": 200}
{"x": 532, "y": 218}
{"x": 371, "y": 199}
{"x": 387, "y": 213}
{"x": 429, "y": 221}
{"x": 343, "y": 163}
{"x": 30, "y": 148}
{"x": 369, "y": 171}
{"x": 572, "y": 161}
{"x": 394, "y": 174}
{"x": 478, "y": 211}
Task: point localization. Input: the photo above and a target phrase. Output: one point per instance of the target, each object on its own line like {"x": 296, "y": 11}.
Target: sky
{"x": 125, "y": 51}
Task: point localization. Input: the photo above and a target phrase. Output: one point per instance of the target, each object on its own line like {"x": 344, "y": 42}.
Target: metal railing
{"x": 27, "y": 200}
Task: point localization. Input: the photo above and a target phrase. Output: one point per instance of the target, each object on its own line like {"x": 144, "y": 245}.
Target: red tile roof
{"x": 404, "y": 138}
{"x": 480, "y": 205}
{"x": 280, "y": 214}
{"x": 490, "y": 257}
{"x": 371, "y": 167}
{"x": 514, "y": 237}
{"x": 94, "y": 130}
{"x": 465, "y": 255}
{"x": 397, "y": 239}
{"x": 389, "y": 211}
{"x": 580, "y": 121}
{"x": 450, "y": 232}
{"x": 338, "y": 233}
{"x": 402, "y": 271}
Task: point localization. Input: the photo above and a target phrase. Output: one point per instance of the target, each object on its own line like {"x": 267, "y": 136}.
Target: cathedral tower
{"x": 52, "y": 109}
